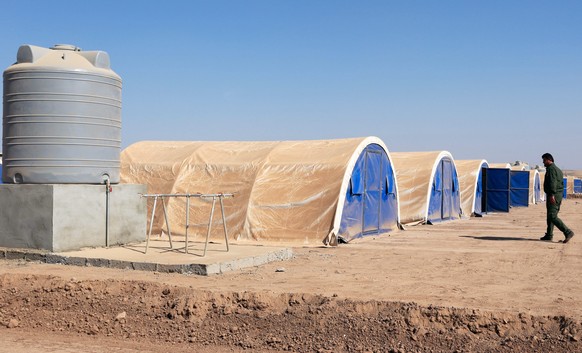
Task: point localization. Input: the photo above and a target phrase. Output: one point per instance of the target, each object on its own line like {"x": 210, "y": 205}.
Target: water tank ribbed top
{"x": 61, "y": 117}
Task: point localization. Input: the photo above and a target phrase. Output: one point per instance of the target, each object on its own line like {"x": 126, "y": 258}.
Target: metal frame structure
{"x": 219, "y": 196}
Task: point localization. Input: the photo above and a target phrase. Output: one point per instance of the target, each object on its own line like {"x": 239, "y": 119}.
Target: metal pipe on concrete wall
{"x": 107, "y": 192}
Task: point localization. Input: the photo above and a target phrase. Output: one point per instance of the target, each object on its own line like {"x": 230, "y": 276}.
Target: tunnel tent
{"x": 428, "y": 187}
{"x": 535, "y": 192}
{"x": 470, "y": 174}
{"x": 285, "y": 191}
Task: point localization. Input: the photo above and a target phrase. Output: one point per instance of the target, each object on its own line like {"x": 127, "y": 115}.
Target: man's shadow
{"x": 490, "y": 237}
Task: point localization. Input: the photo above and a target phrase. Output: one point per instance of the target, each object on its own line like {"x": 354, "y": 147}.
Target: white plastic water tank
{"x": 61, "y": 118}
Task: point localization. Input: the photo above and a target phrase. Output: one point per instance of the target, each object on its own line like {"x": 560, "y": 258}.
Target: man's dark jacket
{"x": 554, "y": 182}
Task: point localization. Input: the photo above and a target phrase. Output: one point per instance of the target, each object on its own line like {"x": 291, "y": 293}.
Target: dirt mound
{"x": 142, "y": 311}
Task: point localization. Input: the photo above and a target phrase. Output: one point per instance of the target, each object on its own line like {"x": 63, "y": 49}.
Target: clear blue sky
{"x": 499, "y": 80}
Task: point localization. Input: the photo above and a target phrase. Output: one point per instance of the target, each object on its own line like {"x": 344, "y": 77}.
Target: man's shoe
{"x": 569, "y": 236}
{"x": 547, "y": 237}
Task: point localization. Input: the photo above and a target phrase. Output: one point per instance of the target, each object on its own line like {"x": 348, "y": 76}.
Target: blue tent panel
{"x": 436, "y": 196}
{"x": 370, "y": 206}
{"x": 565, "y": 193}
{"x": 519, "y": 186}
{"x": 496, "y": 189}
{"x": 354, "y": 205}
{"x": 537, "y": 190}
{"x": 373, "y": 186}
{"x": 448, "y": 203}
{"x": 389, "y": 204}
{"x": 577, "y": 186}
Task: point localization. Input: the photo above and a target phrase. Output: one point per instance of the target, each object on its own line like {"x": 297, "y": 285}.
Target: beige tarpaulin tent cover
{"x": 570, "y": 186}
{"x": 285, "y": 191}
{"x": 520, "y": 166}
{"x": 500, "y": 165}
{"x": 415, "y": 172}
{"x": 575, "y": 173}
{"x": 468, "y": 175}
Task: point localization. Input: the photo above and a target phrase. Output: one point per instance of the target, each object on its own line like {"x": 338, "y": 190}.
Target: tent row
{"x": 305, "y": 192}
{"x": 572, "y": 185}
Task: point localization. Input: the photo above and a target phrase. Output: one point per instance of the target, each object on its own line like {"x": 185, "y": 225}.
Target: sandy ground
{"x": 495, "y": 264}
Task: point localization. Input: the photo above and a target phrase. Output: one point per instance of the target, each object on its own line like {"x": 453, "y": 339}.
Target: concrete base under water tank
{"x": 63, "y": 217}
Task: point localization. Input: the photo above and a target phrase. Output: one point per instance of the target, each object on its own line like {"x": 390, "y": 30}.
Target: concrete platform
{"x": 160, "y": 257}
{"x": 66, "y": 217}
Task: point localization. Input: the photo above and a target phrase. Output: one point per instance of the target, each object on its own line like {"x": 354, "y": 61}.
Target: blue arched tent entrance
{"x": 535, "y": 191}
{"x": 428, "y": 187}
{"x": 445, "y": 203}
{"x": 371, "y": 199}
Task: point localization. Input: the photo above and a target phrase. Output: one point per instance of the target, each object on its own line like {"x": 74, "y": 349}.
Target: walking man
{"x": 554, "y": 188}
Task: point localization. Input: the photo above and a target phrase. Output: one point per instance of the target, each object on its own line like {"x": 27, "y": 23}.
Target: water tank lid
{"x": 65, "y": 47}
{"x": 62, "y": 57}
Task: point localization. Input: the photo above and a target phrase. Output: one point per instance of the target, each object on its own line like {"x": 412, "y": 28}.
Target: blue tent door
{"x": 496, "y": 189}
{"x": 537, "y": 190}
{"x": 372, "y": 191}
{"x": 435, "y": 205}
{"x": 479, "y": 192}
{"x": 444, "y": 203}
{"x": 565, "y": 192}
{"x": 519, "y": 187}
{"x": 577, "y": 186}
{"x": 447, "y": 189}
{"x": 388, "y": 205}
{"x": 370, "y": 205}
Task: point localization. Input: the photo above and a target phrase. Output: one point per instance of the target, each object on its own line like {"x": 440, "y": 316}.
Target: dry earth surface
{"x": 475, "y": 285}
